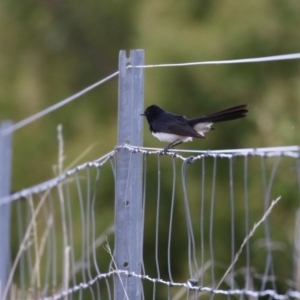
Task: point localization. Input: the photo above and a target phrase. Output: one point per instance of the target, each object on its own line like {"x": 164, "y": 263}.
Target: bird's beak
{"x": 142, "y": 115}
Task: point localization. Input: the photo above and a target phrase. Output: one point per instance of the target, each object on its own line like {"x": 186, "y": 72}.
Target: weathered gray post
{"x": 5, "y": 178}
{"x": 129, "y": 177}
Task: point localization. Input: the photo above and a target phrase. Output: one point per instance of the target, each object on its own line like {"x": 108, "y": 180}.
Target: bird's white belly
{"x": 170, "y": 137}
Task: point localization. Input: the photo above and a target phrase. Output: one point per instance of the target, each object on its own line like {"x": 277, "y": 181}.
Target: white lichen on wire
{"x": 289, "y": 151}
{"x": 189, "y": 286}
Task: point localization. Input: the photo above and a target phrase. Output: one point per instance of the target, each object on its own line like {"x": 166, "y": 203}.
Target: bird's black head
{"x": 152, "y": 112}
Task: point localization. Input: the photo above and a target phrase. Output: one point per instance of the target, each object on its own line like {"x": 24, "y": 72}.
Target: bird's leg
{"x": 166, "y": 149}
{"x": 176, "y": 143}
{"x": 173, "y": 144}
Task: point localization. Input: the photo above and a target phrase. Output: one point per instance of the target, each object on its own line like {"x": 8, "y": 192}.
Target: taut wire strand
{"x": 227, "y": 62}
{"x": 57, "y": 105}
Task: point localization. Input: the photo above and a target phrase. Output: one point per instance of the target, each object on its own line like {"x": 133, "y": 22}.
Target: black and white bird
{"x": 177, "y": 129}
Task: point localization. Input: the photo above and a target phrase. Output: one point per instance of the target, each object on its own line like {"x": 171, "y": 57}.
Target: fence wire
{"x": 211, "y": 227}
{"x": 22, "y": 123}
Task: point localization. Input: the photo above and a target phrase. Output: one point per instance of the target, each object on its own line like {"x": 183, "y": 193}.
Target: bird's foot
{"x": 165, "y": 150}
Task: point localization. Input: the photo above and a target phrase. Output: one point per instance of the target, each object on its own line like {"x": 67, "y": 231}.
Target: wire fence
{"x": 61, "y": 258}
{"x": 213, "y": 220}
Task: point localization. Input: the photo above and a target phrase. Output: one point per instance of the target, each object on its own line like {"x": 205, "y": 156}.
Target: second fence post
{"x": 5, "y": 178}
{"x": 129, "y": 177}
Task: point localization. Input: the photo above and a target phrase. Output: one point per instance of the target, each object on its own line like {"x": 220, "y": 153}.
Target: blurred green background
{"x": 53, "y": 49}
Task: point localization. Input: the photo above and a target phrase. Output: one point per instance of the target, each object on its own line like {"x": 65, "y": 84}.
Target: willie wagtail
{"x": 177, "y": 129}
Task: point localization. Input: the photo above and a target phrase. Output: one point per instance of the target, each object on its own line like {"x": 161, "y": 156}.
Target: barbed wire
{"x": 191, "y": 284}
{"x": 98, "y": 163}
{"x": 289, "y": 151}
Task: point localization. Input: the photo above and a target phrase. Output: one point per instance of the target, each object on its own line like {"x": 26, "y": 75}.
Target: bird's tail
{"x": 228, "y": 114}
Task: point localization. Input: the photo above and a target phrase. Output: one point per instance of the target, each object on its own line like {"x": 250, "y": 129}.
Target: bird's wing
{"x": 178, "y": 126}
{"x": 184, "y": 130}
